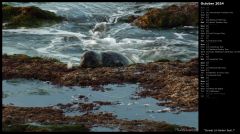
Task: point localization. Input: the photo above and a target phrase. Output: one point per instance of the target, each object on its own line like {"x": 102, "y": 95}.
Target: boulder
{"x": 29, "y": 17}
{"x": 172, "y": 16}
{"x": 91, "y": 59}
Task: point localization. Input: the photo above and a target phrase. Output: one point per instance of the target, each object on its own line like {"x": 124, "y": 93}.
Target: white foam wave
{"x": 43, "y": 31}
{"x": 49, "y": 48}
{"x": 117, "y": 29}
{"x": 180, "y": 35}
{"x": 161, "y": 37}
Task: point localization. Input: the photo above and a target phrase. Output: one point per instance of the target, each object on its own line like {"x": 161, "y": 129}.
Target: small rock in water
{"x": 70, "y": 38}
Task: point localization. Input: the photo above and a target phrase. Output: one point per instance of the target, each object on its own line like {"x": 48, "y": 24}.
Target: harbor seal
{"x": 91, "y": 59}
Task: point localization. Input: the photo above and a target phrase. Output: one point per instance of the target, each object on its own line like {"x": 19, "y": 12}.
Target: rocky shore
{"x": 173, "y": 83}
{"x": 169, "y": 17}
{"x": 28, "y": 119}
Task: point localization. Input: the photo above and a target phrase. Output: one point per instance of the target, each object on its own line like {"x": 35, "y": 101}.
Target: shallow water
{"x": 137, "y": 44}
{"x": 34, "y": 93}
{"x": 104, "y": 129}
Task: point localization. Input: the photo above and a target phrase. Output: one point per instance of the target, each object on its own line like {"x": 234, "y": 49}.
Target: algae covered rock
{"x": 14, "y": 17}
{"x": 172, "y": 16}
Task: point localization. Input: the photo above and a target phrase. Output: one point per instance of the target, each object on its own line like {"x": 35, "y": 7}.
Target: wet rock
{"x": 105, "y": 59}
{"x": 56, "y": 120}
{"x": 70, "y": 39}
{"x": 103, "y": 102}
{"x": 82, "y": 97}
{"x": 29, "y": 17}
{"x": 89, "y": 106}
{"x": 163, "y": 60}
{"x": 172, "y": 16}
{"x": 81, "y": 107}
{"x": 174, "y": 81}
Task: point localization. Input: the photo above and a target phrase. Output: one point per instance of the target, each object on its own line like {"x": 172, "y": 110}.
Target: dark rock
{"x": 163, "y": 60}
{"x": 172, "y": 16}
{"x": 70, "y": 38}
{"x": 103, "y": 102}
{"x": 29, "y": 17}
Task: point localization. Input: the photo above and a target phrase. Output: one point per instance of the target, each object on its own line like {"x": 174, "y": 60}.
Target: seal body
{"x": 91, "y": 59}
{"x": 113, "y": 59}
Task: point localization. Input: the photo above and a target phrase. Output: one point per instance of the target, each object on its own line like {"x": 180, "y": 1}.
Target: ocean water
{"x": 68, "y": 40}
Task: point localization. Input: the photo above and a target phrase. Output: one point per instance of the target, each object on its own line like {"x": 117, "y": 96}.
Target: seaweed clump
{"x": 163, "y": 80}
{"x": 44, "y": 128}
{"x": 35, "y": 119}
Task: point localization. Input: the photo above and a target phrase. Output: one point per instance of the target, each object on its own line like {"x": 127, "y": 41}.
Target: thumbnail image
{"x": 99, "y": 66}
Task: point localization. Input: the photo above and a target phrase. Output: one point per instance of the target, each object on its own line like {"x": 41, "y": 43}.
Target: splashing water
{"x": 97, "y": 26}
